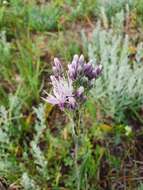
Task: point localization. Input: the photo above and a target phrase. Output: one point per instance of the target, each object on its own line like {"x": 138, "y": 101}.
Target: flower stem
{"x": 76, "y": 165}
{"x": 76, "y": 148}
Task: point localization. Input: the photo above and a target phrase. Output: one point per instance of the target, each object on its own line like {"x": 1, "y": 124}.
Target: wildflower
{"x": 70, "y": 92}
{"x": 78, "y": 69}
{"x": 63, "y": 93}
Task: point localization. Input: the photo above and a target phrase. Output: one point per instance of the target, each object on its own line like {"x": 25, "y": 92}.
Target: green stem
{"x": 76, "y": 165}
{"x": 76, "y": 120}
{"x": 76, "y": 148}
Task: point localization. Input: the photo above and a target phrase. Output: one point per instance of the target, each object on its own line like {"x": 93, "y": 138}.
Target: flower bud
{"x": 81, "y": 60}
{"x": 88, "y": 70}
{"x": 57, "y": 68}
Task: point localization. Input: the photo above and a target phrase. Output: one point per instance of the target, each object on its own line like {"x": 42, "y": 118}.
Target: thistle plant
{"x": 70, "y": 91}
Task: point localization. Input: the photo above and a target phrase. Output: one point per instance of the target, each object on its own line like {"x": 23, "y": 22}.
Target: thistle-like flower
{"x": 63, "y": 93}
{"x": 70, "y": 92}
{"x": 79, "y": 68}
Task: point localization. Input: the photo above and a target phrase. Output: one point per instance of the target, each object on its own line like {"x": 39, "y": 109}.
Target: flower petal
{"x": 51, "y": 99}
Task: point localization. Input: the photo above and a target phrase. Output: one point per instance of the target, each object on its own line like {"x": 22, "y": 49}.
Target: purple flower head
{"x": 70, "y": 92}
{"x": 62, "y": 93}
{"x": 78, "y": 69}
{"x": 90, "y": 72}
{"x": 75, "y": 69}
{"x": 57, "y": 68}
{"x": 88, "y": 68}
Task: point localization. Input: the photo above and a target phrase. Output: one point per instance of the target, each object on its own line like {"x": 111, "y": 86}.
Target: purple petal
{"x": 72, "y": 72}
{"x": 75, "y": 58}
{"x": 99, "y": 69}
{"x": 74, "y": 63}
{"x": 88, "y": 68}
{"x": 57, "y": 68}
{"x": 51, "y": 99}
{"x": 81, "y": 60}
{"x": 57, "y": 63}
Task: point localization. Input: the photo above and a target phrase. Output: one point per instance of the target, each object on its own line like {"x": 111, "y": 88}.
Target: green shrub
{"x": 120, "y": 87}
{"x": 112, "y": 7}
{"x": 44, "y": 18}
{"x": 139, "y": 10}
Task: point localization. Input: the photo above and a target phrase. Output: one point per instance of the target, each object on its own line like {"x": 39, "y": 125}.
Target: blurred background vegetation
{"x": 36, "y": 147}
